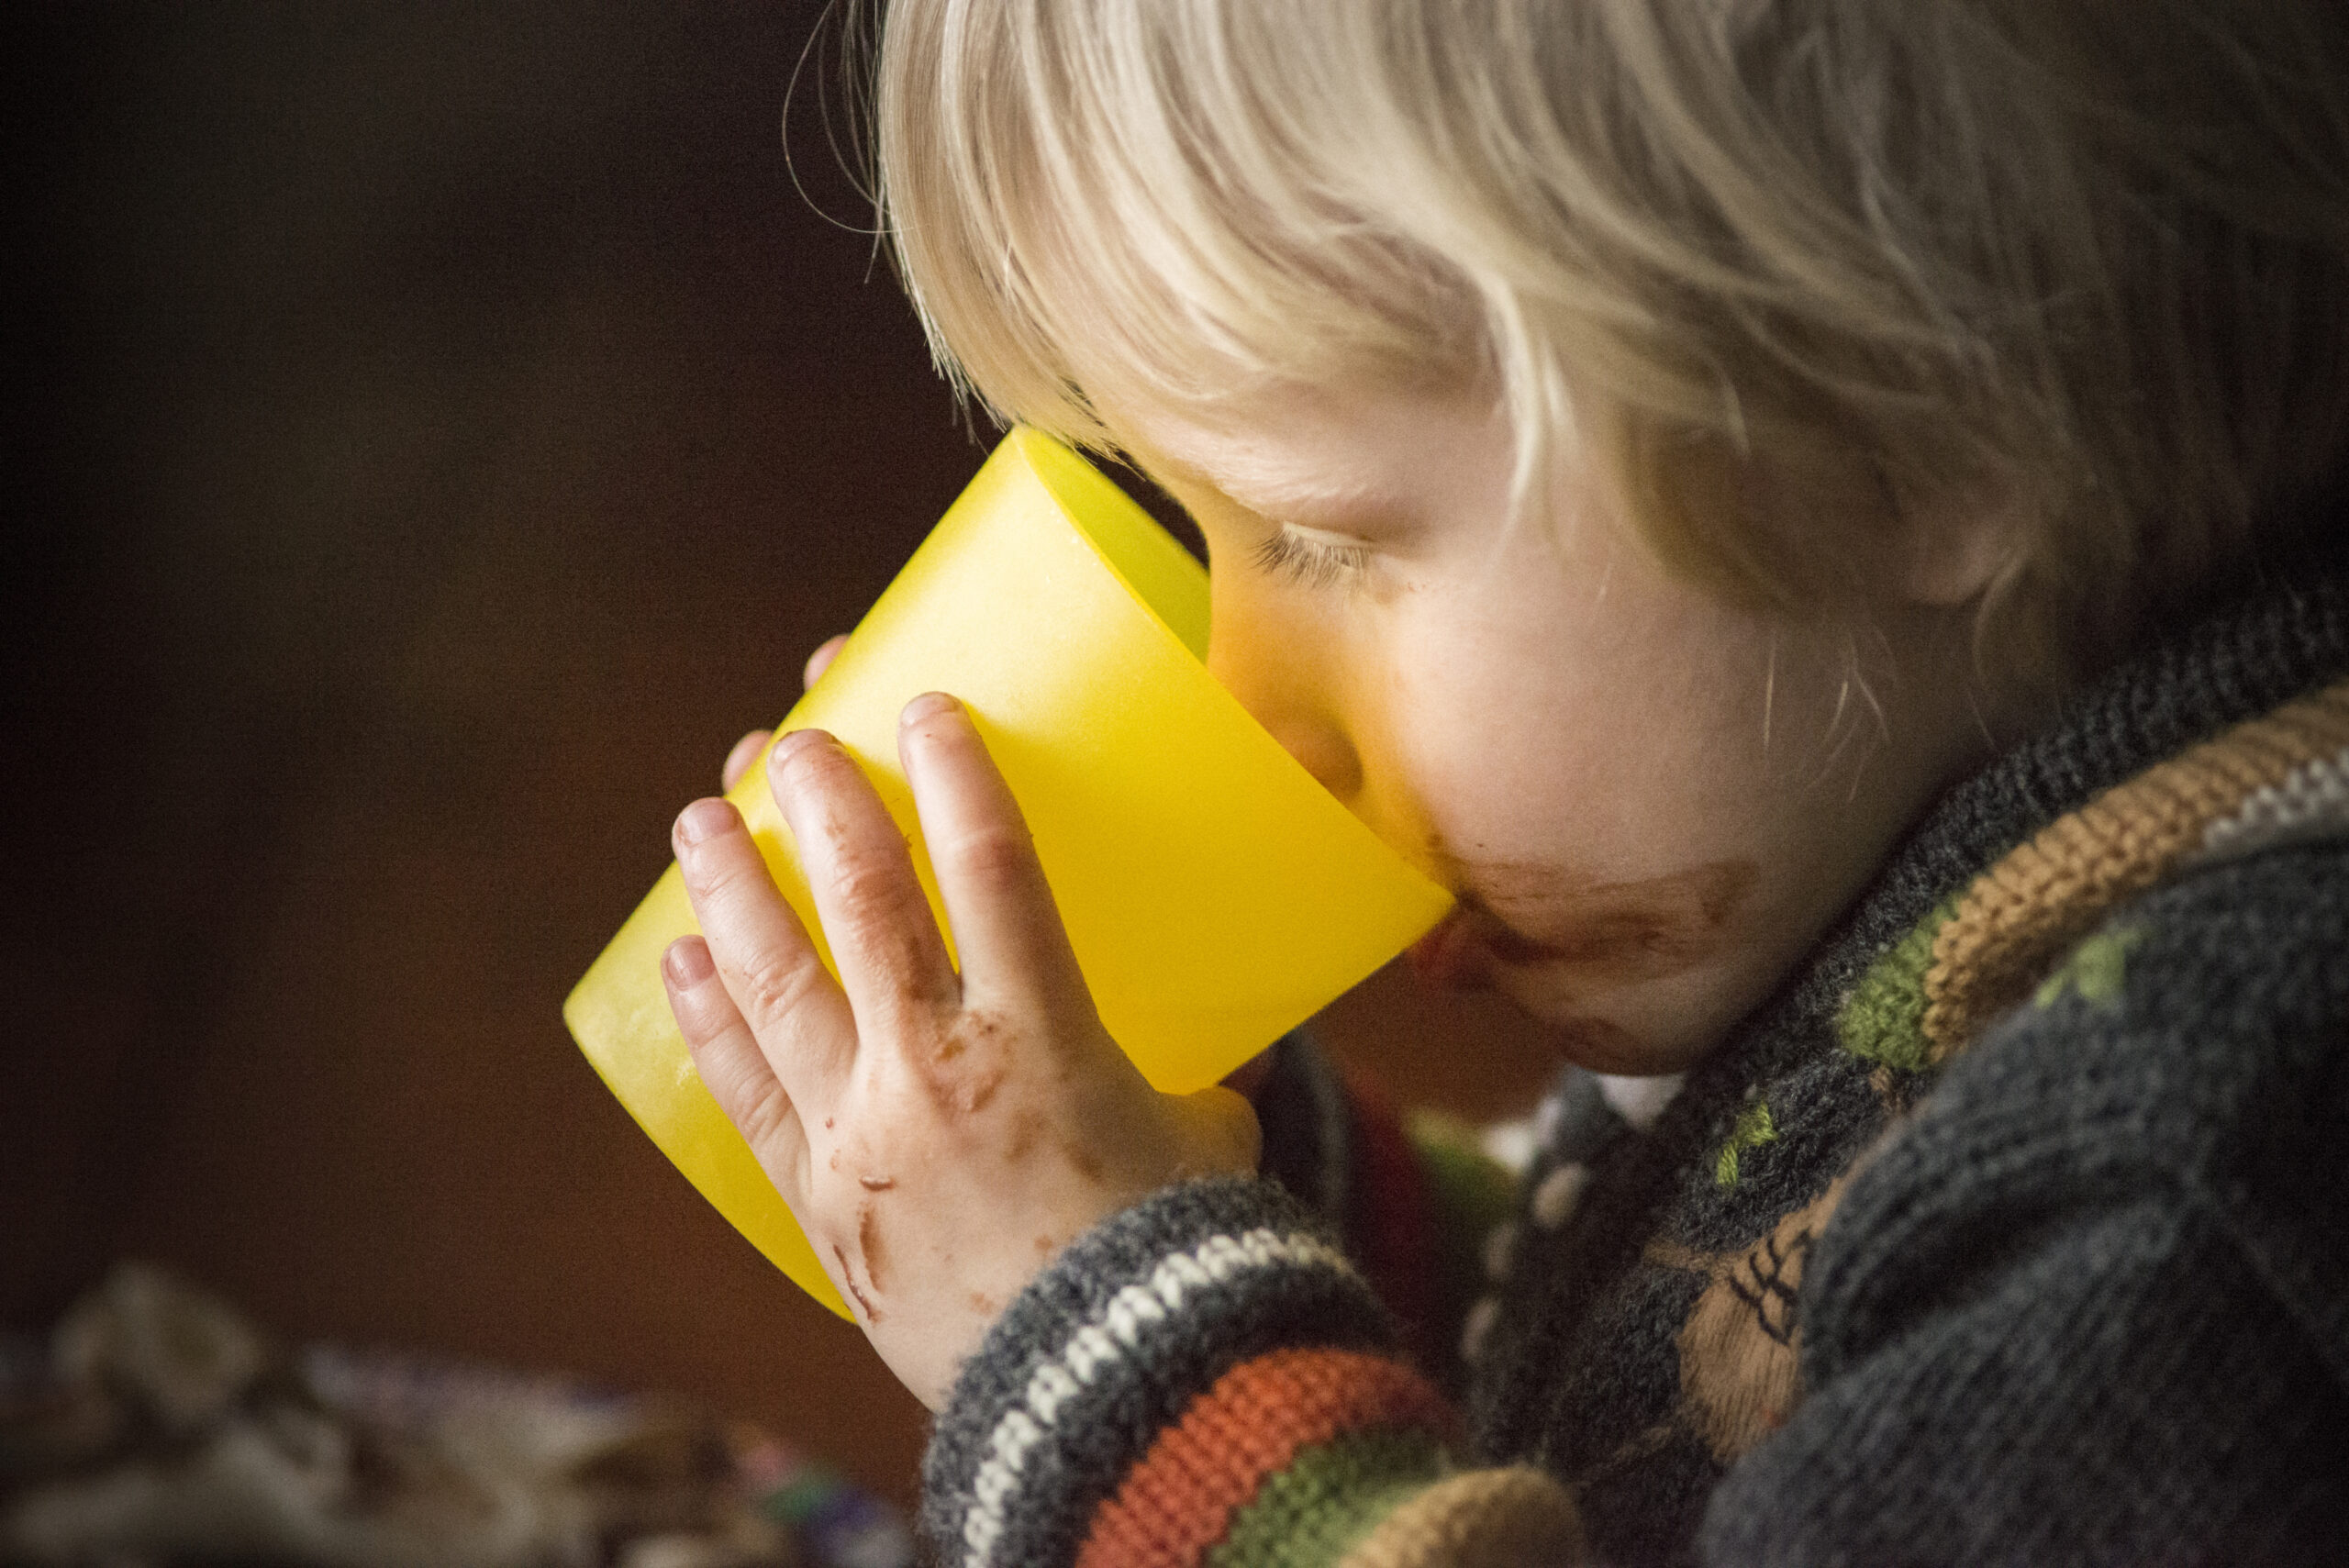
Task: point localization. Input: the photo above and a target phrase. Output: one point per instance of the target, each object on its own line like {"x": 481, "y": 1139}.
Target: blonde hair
{"x": 2079, "y": 259}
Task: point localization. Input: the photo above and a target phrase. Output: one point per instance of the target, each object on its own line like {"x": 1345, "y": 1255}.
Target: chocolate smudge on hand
{"x": 967, "y": 1088}
{"x": 868, "y": 1241}
{"x": 1082, "y": 1160}
{"x": 848, "y": 1278}
{"x": 1026, "y": 1127}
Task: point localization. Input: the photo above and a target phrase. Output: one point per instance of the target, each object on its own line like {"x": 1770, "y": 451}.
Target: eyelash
{"x": 1310, "y": 563}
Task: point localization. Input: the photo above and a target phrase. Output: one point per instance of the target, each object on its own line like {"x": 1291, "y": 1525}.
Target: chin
{"x": 1588, "y": 1032}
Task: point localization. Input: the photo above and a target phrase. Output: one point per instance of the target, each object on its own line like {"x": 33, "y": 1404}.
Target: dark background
{"x": 442, "y": 430}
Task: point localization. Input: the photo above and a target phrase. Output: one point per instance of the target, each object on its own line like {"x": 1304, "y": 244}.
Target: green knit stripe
{"x": 1754, "y": 1127}
{"x": 1884, "y": 1018}
{"x": 2095, "y": 972}
{"x": 1330, "y": 1498}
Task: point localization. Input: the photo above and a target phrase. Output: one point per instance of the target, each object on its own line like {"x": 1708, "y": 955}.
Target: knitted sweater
{"x": 2006, "y": 1232}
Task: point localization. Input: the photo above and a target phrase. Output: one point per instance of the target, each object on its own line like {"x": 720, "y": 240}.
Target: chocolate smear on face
{"x": 1596, "y": 1043}
{"x": 1609, "y": 933}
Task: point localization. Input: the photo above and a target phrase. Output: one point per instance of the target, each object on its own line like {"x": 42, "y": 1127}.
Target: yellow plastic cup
{"x": 1215, "y": 894}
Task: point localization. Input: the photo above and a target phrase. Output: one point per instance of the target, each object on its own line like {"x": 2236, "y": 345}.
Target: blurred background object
{"x": 161, "y": 1426}
{"x": 442, "y": 430}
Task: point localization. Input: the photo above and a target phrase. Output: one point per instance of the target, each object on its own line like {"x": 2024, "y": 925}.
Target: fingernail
{"x": 789, "y": 746}
{"x": 687, "y": 964}
{"x": 703, "y": 818}
{"x": 929, "y": 705}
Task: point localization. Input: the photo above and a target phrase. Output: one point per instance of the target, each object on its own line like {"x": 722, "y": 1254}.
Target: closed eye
{"x": 1310, "y": 563}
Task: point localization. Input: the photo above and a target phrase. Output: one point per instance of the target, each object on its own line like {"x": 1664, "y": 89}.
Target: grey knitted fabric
{"x": 2090, "y": 1307}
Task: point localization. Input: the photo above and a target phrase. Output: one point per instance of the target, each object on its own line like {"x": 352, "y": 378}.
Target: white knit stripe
{"x": 1114, "y": 1330}
{"x": 2311, "y": 799}
{"x": 1640, "y": 1101}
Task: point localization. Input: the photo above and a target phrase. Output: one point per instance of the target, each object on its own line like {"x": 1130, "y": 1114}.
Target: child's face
{"x": 1650, "y": 802}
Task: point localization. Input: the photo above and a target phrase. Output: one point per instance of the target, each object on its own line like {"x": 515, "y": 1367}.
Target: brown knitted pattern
{"x": 2020, "y": 917}
{"x": 1515, "y": 1517}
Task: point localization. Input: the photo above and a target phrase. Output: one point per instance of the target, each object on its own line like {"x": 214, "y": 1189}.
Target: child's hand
{"x": 939, "y": 1136}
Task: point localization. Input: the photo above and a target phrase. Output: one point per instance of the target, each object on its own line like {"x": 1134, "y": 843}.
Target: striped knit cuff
{"x": 1305, "y": 1448}
{"x": 1107, "y": 1347}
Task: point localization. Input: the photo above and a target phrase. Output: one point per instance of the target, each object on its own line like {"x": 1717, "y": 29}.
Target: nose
{"x": 1285, "y": 676}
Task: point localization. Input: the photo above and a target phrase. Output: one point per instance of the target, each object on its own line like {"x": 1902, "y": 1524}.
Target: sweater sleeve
{"x": 2092, "y": 1304}
{"x": 1208, "y": 1379}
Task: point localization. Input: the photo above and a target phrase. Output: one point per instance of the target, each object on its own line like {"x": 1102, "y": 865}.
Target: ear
{"x": 1950, "y": 551}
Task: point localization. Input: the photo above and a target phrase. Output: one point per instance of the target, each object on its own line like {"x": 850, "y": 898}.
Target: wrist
{"x": 1110, "y": 1343}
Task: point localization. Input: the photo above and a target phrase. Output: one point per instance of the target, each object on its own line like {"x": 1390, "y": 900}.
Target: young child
{"x": 1810, "y": 516}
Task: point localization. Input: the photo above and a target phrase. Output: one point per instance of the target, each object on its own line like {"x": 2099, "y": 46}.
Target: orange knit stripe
{"x": 2020, "y": 915}
{"x": 1180, "y": 1500}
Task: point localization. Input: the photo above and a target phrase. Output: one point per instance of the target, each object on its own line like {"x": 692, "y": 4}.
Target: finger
{"x": 763, "y": 957}
{"x": 739, "y": 761}
{"x": 1223, "y": 1129}
{"x": 1007, "y": 930}
{"x": 821, "y": 659}
{"x": 892, "y": 963}
{"x": 733, "y": 1068}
